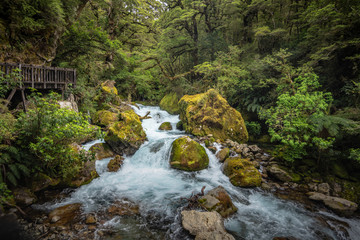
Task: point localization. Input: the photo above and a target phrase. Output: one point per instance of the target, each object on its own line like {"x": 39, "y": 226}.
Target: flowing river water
{"x": 147, "y": 179}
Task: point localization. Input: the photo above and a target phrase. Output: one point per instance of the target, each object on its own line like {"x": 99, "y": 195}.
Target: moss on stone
{"x": 165, "y": 126}
{"x": 109, "y": 87}
{"x": 188, "y": 155}
{"x": 104, "y": 118}
{"x": 126, "y": 135}
{"x": 169, "y": 103}
{"x": 210, "y": 113}
{"x": 241, "y": 172}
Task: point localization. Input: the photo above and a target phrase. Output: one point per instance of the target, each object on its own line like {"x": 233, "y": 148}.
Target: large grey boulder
{"x": 279, "y": 173}
{"x": 205, "y": 225}
{"x": 338, "y": 205}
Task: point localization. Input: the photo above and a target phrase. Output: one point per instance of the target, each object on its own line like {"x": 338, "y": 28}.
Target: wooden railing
{"x": 41, "y": 77}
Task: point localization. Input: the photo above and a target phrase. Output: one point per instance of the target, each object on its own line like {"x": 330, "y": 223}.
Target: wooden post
{"x": 23, "y": 98}
{"x": 55, "y": 77}
{"x": 32, "y": 77}
{"x": 10, "y": 97}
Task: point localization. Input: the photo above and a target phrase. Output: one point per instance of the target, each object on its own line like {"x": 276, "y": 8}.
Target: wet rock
{"x": 218, "y": 200}
{"x": 212, "y": 149}
{"x": 115, "y": 163}
{"x": 241, "y": 172}
{"x": 86, "y": 174}
{"x": 324, "y": 188}
{"x": 42, "y": 181}
{"x": 102, "y": 150}
{"x": 65, "y": 214}
{"x": 169, "y": 103}
{"x": 123, "y": 208}
{"x": 339, "y": 205}
{"x": 90, "y": 219}
{"x": 180, "y": 126}
{"x": 313, "y": 187}
{"x": 126, "y": 135}
{"x": 223, "y": 154}
{"x": 254, "y": 148}
{"x": 279, "y": 173}
{"x": 205, "y": 225}
{"x": 165, "y": 126}
{"x": 188, "y": 155}
{"x": 24, "y": 197}
{"x": 210, "y": 113}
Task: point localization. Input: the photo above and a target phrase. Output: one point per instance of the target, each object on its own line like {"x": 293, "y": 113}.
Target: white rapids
{"x": 146, "y": 179}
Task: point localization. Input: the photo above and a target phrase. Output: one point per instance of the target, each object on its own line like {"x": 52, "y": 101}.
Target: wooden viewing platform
{"x": 39, "y": 77}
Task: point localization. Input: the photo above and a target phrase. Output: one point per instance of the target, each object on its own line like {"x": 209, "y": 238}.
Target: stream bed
{"x": 147, "y": 180}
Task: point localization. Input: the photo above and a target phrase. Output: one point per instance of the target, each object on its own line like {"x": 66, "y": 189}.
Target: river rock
{"x": 279, "y": 173}
{"x": 90, "y": 219}
{"x": 127, "y": 135}
{"x": 123, "y": 208}
{"x": 218, "y": 200}
{"x": 65, "y": 214}
{"x": 338, "y": 205}
{"x": 102, "y": 150}
{"x": 107, "y": 93}
{"x": 210, "y": 113}
{"x": 24, "y": 196}
{"x": 165, "y": 126}
{"x": 169, "y": 103}
{"x": 205, "y": 225}
{"x": 324, "y": 188}
{"x": 223, "y": 154}
{"x": 115, "y": 163}
{"x": 188, "y": 155}
{"x": 241, "y": 172}
{"x": 86, "y": 174}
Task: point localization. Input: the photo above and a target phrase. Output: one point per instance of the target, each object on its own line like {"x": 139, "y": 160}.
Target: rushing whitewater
{"x": 147, "y": 179}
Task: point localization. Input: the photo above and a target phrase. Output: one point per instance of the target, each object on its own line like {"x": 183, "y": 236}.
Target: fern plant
{"x": 11, "y": 168}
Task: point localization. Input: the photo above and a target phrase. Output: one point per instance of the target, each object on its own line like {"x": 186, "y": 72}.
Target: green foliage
{"x": 5, "y": 195}
{"x": 48, "y": 130}
{"x": 253, "y": 128}
{"x": 355, "y": 154}
{"x": 9, "y": 81}
{"x": 290, "y": 120}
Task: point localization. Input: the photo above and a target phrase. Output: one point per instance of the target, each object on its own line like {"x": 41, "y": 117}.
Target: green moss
{"x": 104, "y": 118}
{"x": 180, "y": 126}
{"x": 126, "y": 133}
{"x": 209, "y": 113}
{"x": 188, "y": 155}
{"x": 169, "y": 103}
{"x": 165, "y": 126}
{"x": 242, "y": 172}
{"x": 339, "y": 171}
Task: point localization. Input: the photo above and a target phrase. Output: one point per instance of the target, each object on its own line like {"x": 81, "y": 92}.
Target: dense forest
{"x": 290, "y": 67}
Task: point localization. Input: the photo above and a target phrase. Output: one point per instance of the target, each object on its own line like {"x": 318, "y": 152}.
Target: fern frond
{"x": 14, "y": 170}
{"x": 11, "y": 178}
{"x": 23, "y": 169}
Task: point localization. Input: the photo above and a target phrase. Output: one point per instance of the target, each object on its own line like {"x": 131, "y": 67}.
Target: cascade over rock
{"x": 126, "y": 135}
{"x": 188, "y": 155}
{"x": 241, "y": 172}
{"x": 169, "y": 103}
{"x": 209, "y": 113}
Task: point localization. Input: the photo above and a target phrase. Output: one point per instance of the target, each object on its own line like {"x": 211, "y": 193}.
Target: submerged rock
{"x": 218, "y": 200}
{"x": 65, "y": 214}
{"x": 210, "y": 113}
{"x": 102, "y": 150}
{"x": 339, "y": 205}
{"x": 127, "y": 135}
{"x": 165, "y": 126}
{"x": 205, "y": 225}
{"x": 223, "y": 154}
{"x": 241, "y": 172}
{"x": 115, "y": 163}
{"x": 169, "y": 103}
{"x": 188, "y": 155}
{"x": 123, "y": 208}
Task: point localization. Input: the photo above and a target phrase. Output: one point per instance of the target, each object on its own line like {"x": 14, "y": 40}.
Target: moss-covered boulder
{"x": 42, "y": 181}
{"x": 85, "y": 175}
{"x": 241, "y": 172}
{"x": 107, "y": 93}
{"x": 126, "y": 135}
{"x": 165, "y": 126}
{"x": 115, "y": 163}
{"x": 223, "y": 154}
{"x": 169, "y": 103}
{"x": 210, "y": 113}
{"x": 102, "y": 150}
{"x": 109, "y": 87}
{"x": 104, "y": 118}
{"x": 188, "y": 155}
